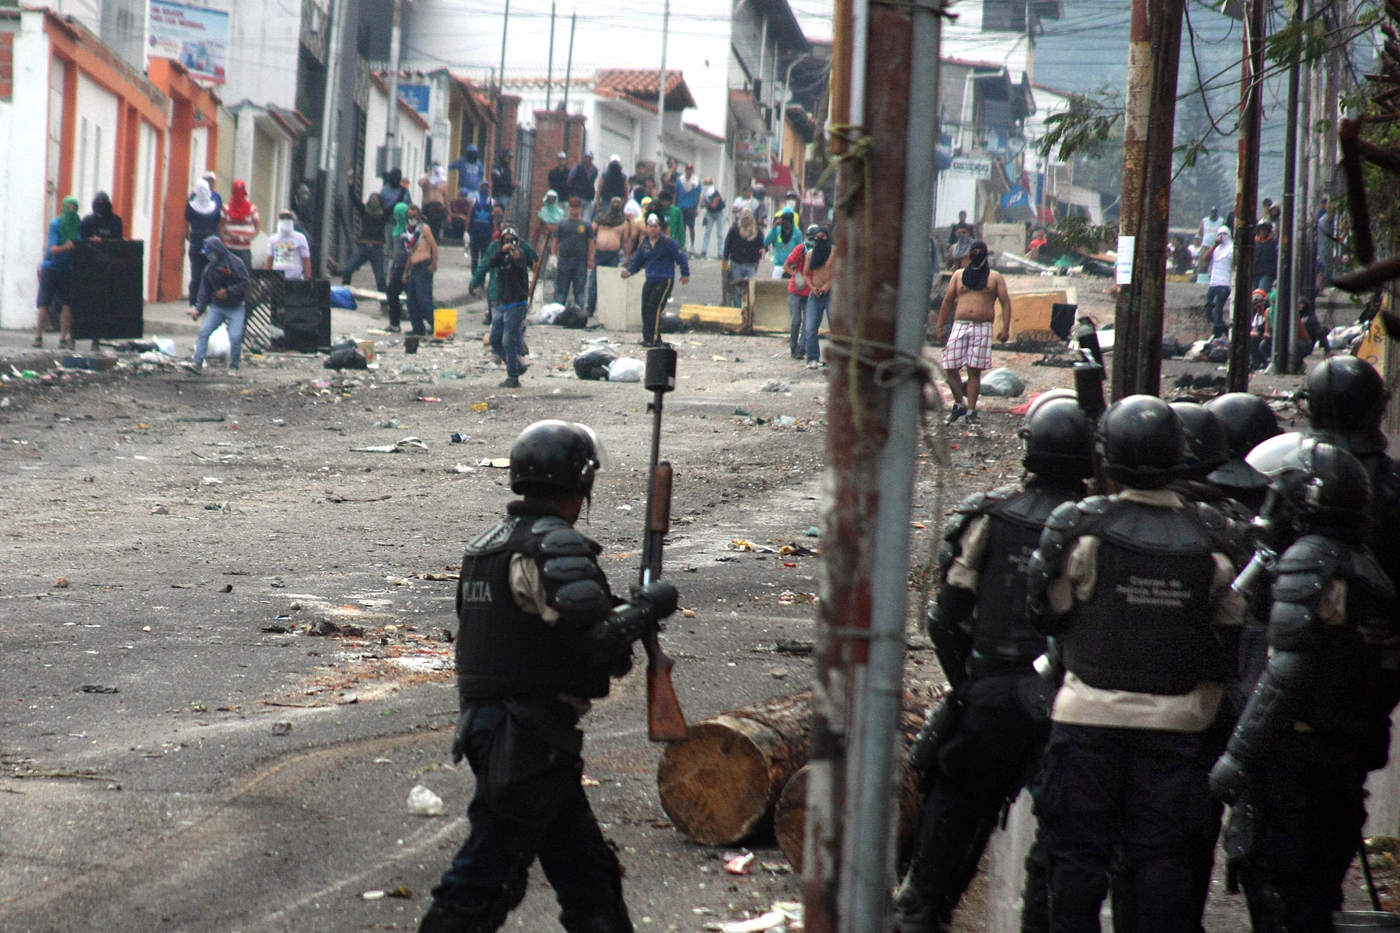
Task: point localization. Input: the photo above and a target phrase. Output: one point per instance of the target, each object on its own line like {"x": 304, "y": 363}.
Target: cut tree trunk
{"x": 719, "y": 785}
{"x": 790, "y": 812}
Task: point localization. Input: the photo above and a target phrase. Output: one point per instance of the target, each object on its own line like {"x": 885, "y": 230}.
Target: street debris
{"x": 95, "y": 688}
{"x": 740, "y": 865}
{"x": 402, "y": 445}
{"x": 784, "y": 915}
{"x": 499, "y": 463}
{"x": 423, "y": 802}
{"x": 281, "y": 728}
{"x": 61, "y": 583}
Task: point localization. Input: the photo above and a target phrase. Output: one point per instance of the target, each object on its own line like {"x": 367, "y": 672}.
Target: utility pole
{"x": 1247, "y": 192}
{"x": 500, "y": 89}
{"x": 549, "y": 81}
{"x": 391, "y": 123}
{"x": 568, "y": 79}
{"x": 884, "y": 95}
{"x": 661, "y": 91}
{"x": 331, "y": 180}
{"x": 1136, "y": 116}
{"x": 1284, "y": 311}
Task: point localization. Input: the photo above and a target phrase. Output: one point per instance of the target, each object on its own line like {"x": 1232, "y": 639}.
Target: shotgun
{"x": 665, "y": 720}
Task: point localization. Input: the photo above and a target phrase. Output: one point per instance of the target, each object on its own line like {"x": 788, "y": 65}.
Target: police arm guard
{"x": 1046, "y": 566}
{"x": 614, "y": 634}
{"x": 1267, "y": 715}
{"x": 951, "y": 643}
{"x": 942, "y": 720}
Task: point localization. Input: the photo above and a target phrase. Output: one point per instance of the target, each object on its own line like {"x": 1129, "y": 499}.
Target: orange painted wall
{"x": 191, "y": 107}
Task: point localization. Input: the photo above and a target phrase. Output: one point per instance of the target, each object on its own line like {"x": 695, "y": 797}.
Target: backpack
{"x": 715, "y": 204}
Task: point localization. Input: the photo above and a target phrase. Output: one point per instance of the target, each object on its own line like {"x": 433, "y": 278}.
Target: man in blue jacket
{"x": 660, "y": 254}
{"x": 221, "y": 292}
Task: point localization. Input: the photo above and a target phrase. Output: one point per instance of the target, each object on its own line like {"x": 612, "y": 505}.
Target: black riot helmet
{"x": 1142, "y": 442}
{"x": 1314, "y": 484}
{"x": 551, "y": 458}
{"x": 1345, "y": 395}
{"x": 1248, "y": 421}
{"x": 1058, "y": 441}
{"x": 1207, "y": 444}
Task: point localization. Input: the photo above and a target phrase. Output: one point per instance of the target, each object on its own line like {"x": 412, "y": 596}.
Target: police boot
{"x": 447, "y": 917}
{"x": 615, "y": 921}
{"x": 913, "y": 912}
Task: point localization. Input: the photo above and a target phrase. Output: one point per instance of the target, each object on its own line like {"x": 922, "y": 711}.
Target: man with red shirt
{"x": 798, "y": 290}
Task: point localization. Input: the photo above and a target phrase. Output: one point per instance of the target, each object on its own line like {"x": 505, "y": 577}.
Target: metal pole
{"x": 872, "y": 819}
{"x": 1247, "y": 193}
{"x": 1303, "y": 275}
{"x": 549, "y": 81}
{"x": 1149, "y": 286}
{"x": 568, "y": 79}
{"x": 500, "y": 87}
{"x": 661, "y": 90}
{"x": 330, "y": 124}
{"x": 1283, "y": 311}
{"x": 391, "y": 123}
{"x": 1136, "y": 123}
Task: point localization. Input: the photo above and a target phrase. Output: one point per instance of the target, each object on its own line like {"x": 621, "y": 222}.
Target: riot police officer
{"x": 1248, "y": 421}
{"x": 540, "y": 635}
{"x": 1294, "y": 767}
{"x": 978, "y": 751}
{"x": 1134, "y": 588}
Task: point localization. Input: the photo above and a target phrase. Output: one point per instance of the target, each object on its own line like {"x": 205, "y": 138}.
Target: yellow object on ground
{"x": 445, "y": 323}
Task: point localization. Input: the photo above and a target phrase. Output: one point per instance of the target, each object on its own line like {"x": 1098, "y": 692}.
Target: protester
{"x": 745, "y": 202}
{"x": 539, "y": 635}
{"x": 288, "y": 252}
{"x": 391, "y": 196}
{"x": 1210, "y": 227}
{"x": 240, "y": 224}
{"x": 660, "y": 255}
{"x": 1181, "y": 259}
{"x": 798, "y": 291}
{"x": 201, "y": 222}
{"x": 304, "y": 208}
{"x": 481, "y": 227}
{"x": 743, "y": 250}
{"x": 55, "y": 273}
{"x": 559, "y": 176}
{"x": 612, "y": 243}
{"x": 550, "y": 214}
{"x": 470, "y": 171}
{"x": 974, "y": 291}
{"x": 1326, "y": 239}
{"x": 434, "y": 201}
{"x": 583, "y": 183}
{"x": 213, "y": 181}
{"x": 1221, "y": 256}
{"x": 1265, "y": 256}
{"x": 502, "y": 180}
{"x": 960, "y": 250}
{"x": 760, "y": 209}
{"x": 573, "y": 250}
{"x": 512, "y": 267}
{"x": 458, "y": 216}
{"x": 672, "y": 220}
{"x": 642, "y": 178}
{"x": 688, "y": 200}
{"x": 781, "y": 240}
{"x": 613, "y": 183}
{"x": 1261, "y": 330}
{"x": 398, "y": 266}
{"x": 818, "y": 267}
{"x": 713, "y": 202}
{"x": 369, "y": 245}
{"x": 962, "y": 226}
{"x": 220, "y": 292}
{"x": 422, "y": 251}
{"x": 1039, "y": 240}
{"x": 486, "y": 271}
{"x": 103, "y": 223}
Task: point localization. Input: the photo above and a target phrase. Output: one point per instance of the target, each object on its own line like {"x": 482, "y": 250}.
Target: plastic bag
{"x": 342, "y": 298}
{"x": 626, "y": 369}
{"x": 1002, "y": 383}
{"x": 166, "y": 345}
{"x": 594, "y": 364}
{"x": 346, "y": 355}
{"x": 572, "y": 316}
{"x": 550, "y": 312}
{"x": 218, "y": 344}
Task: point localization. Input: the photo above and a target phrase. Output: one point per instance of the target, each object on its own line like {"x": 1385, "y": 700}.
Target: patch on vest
{"x": 1147, "y": 591}
{"x": 494, "y": 538}
{"x": 476, "y": 591}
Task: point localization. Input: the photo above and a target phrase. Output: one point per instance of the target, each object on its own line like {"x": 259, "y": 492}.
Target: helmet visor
{"x": 1281, "y": 453}
{"x": 600, "y": 454}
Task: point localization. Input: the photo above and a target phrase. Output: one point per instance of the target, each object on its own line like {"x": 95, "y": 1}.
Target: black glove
{"x": 1228, "y": 780}
{"x": 657, "y": 599}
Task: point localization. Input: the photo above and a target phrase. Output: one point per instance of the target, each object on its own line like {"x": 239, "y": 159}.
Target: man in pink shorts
{"x": 974, "y": 292}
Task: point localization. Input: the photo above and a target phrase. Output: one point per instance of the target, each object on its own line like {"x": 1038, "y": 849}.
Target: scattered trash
{"x": 797, "y": 649}
{"x": 211, "y": 481}
{"x": 457, "y": 437}
{"x": 400, "y": 891}
{"x": 814, "y": 532}
{"x": 783, "y": 915}
{"x": 742, "y": 412}
{"x": 624, "y": 508}
{"x": 226, "y": 588}
{"x": 389, "y": 423}
{"x": 61, "y": 583}
{"x": 482, "y": 406}
{"x": 784, "y": 421}
{"x": 740, "y": 544}
{"x": 95, "y": 688}
{"x": 160, "y": 510}
{"x": 688, "y": 613}
{"x": 281, "y": 728}
{"x": 412, "y": 369}
{"x": 399, "y": 447}
{"x": 550, "y": 312}
{"x": 423, "y": 802}
{"x": 1002, "y": 383}
{"x": 427, "y": 398}
{"x": 593, "y": 365}
{"x": 739, "y": 865}
{"x": 719, "y": 359}
{"x": 626, "y": 369}
{"x": 774, "y": 385}
{"x": 499, "y": 463}
{"x": 463, "y": 468}
{"x": 778, "y": 673}
{"x": 346, "y": 354}
{"x": 373, "y": 895}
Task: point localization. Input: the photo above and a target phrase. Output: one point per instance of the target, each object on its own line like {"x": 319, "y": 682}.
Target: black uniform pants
{"x": 654, "y": 295}
{"x": 1136, "y": 793}
{"x": 1308, "y": 812}
{"x": 554, "y": 824}
{"x": 987, "y": 760}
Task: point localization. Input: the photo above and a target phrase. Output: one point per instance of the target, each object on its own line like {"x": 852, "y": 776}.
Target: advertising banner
{"x": 196, "y": 38}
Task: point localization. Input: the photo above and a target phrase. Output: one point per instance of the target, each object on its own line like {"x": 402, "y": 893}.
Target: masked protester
{"x": 491, "y": 275}
{"x": 288, "y": 252}
{"x": 220, "y": 293}
{"x": 240, "y": 224}
{"x": 1221, "y": 259}
{"x": 512, "y": 265}
{"x": 422, "y": 253}
{"x": 818, "y": 269}
{"x": 743, "y": 250}
{"x": 202, "y": 218}
{"x": 540, "y": 636}
{"x": 971, "y": 299}
{"x": 398, "y": 267}
{"x": 470, "y": 169}
{"x": 481, "y": 226}
{"x": 782, "y": 240}
{"x": 369, "y": 245}
{"x": 55, "y": 273}
{"x": 103, "y": 223}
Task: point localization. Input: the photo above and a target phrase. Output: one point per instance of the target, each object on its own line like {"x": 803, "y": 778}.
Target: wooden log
{"x": 790, "y": 812}
{"x": 719, "y": 785}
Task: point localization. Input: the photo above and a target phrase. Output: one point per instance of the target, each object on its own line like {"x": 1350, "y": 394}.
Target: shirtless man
{"x": 612, "y": 241}
{"x": 974, "y": 291}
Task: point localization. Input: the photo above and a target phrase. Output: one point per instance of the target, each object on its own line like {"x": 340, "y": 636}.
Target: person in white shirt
{"x": 288, "y": 252}
{"x": 1222, "y": 271}
{"x": 1208, "y": 227}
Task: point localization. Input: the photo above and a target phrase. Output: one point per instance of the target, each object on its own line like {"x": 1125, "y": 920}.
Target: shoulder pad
{"x": 1095, "y": 505}
{"x": 1310, "y": 554}
{"x": 1154, "y": 530}
{"x": 1367, "y": 569}
{"x": 1032, "y": 507}
{"x": 561, "y": 570}
{"x": 566, "y": 542}
{"x": 1067, "y": 517}
{"x": 1002, "y": 493}
{"x": 548, "y": 523}
{"x": 975, "y": 504}
{"x": 1231, "y": 534}
{"x": 494, "y": 539}
{"x": 582, "y": 601}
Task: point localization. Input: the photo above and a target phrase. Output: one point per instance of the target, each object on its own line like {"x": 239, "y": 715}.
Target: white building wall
{"x": 963, "y": 38}
{"x": 413, "y": 137}
{"x": 264, "y": 36}
{"x": 23, "y": 133}
{"x": 95, "y": 162}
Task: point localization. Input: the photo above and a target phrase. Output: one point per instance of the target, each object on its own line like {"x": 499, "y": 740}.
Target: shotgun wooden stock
{"x": 665, "y": 720}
